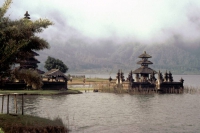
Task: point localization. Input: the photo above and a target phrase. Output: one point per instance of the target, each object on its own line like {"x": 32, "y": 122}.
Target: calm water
{"x": 120, "y": 113}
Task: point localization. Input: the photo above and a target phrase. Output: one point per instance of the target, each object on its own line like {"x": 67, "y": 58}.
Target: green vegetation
{"x": 52, "y": 63}
{"x": 32, "y": 124}
{"x": 18, "y": 38}
{"x": 31, "y": 77}
{"x": 41, "y": 92}
{"x": 1, "y": 130}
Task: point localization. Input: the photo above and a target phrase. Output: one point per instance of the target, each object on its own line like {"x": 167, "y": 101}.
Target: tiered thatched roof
{"x": 144, "y": 62}
{"x": 144, "y": 69}
{"x": 144, "y": 55}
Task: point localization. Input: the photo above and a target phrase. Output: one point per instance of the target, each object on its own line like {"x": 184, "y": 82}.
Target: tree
{"x": 17, "y": 38}
{"x": 52, "y": 63}
{"x": 31, "y": 77}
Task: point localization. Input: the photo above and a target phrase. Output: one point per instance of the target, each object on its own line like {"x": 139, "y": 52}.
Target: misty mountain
{"x": 107, "y": 57}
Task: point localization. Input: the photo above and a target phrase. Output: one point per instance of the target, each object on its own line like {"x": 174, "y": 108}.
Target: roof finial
{"x": 26, "y": 15}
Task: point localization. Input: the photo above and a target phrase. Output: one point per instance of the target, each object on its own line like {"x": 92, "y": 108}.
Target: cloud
{"x": 145, "y": 21}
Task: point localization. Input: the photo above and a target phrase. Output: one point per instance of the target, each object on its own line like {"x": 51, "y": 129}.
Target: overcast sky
{"x": 149, "y": 21}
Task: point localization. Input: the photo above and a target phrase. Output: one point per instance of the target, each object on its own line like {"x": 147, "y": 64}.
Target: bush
{"x": 31, "y": 77}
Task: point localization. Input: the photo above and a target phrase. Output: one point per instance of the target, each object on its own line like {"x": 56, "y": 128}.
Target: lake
{"x": 121, "y": 113}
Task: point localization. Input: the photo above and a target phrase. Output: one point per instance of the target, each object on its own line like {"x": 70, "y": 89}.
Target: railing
{"x": 15, "y": 102}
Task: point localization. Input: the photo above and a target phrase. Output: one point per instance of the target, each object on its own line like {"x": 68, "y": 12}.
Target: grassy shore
{"x": 41, "y": 92}
{"x": 88, "y": 81}
{"x": 30, "y": 124}
{"x": 89, "y": 85}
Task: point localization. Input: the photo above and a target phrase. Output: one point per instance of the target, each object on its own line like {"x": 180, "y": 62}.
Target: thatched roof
{"x": 144, "y": 70}
{"x": 54, "y": 72}
{"x": 145, "y": 55}
{"x": 40, "y": 71}
{"x": 33, "y": 53}
{"x": 144, "y": 62}
{"x": 30, "y": 60}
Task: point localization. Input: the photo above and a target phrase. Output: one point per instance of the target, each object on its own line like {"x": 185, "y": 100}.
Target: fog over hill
{"x": 107, "y": 35}
{"x": 108, "y": 57}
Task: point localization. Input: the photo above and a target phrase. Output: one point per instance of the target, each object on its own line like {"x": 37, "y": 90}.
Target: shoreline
{"x": 40, "y": 92}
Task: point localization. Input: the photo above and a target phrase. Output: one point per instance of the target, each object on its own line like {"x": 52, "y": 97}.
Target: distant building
{"x": 55, "y": 75}
{"x": 54, "y": 79}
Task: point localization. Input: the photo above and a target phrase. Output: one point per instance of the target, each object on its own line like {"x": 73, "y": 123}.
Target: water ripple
{"x": 111, "y": 113}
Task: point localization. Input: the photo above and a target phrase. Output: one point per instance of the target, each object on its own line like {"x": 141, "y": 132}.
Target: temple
{"x": 30, "y": 62}
{"x": 145, "y": 78}
{"x": 144, "y": 73}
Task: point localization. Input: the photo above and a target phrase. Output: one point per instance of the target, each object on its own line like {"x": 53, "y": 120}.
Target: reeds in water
{"x": 113, "y": 88}
{"x": 191, "y": 90}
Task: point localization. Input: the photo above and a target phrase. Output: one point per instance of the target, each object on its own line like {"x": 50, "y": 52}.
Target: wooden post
{"x": 2, "y": 103}
{"x": 15, "y": 102}
{"x": 8, "y": 104}
{"x": 22, "y": 104}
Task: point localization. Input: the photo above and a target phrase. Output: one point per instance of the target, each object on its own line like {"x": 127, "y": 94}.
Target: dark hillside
{"x": 105, "y": 57}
